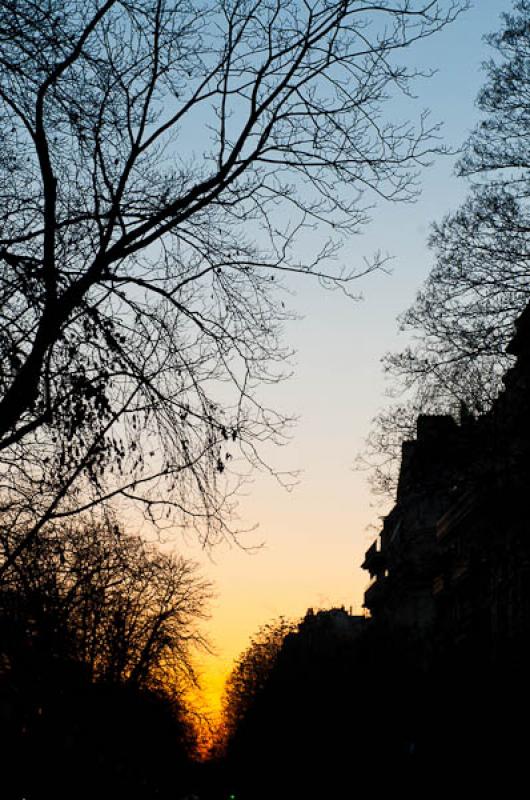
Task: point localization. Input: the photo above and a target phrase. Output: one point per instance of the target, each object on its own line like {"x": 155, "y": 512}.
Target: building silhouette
{"x": 451, "y": 566}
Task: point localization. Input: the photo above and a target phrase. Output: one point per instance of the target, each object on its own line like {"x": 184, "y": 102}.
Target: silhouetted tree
{"x": 157, "y": 161}
{"x": 250, "y": 675}
{"x": 335, "y": 702}
{"x": 97, "y": 631}
{"x": 131, "y": 610}
{"x": 462, "y": 319}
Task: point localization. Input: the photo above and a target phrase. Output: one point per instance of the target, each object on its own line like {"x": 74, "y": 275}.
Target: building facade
{"x": 451, "y": 565}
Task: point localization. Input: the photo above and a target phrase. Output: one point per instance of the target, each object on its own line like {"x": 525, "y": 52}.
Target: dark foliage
{"x": 381, "y": 711}
{"x": 311, "y": 728}
{"x": 96, "y": 632}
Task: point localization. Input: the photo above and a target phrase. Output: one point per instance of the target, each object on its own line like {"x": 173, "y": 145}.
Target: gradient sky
{"x": 314, "y": 537}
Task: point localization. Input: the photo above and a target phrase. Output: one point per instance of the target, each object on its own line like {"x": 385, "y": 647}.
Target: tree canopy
{"x": 248, "y": 679}
{"x": 124, "y": 610}
{"x": 158, "y": 161}
{"x": 98, "y": 630}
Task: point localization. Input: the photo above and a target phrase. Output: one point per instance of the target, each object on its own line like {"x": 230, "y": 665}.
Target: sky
{"x": 312, "y": 538}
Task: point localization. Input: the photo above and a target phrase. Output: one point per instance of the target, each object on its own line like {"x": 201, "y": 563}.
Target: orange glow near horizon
{"x": 295, "y": 570}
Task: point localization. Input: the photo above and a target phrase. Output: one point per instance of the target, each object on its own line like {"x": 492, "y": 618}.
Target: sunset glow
{"x": 264, "y": 398}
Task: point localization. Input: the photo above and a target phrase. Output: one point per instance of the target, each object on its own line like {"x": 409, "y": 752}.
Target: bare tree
{"x": 249, "y": 676}
{"x": 98, "y": 633}
{"x": 128, "y": 612}
{"x": 158, "y": 160}
{"x": 462, "y": 318}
